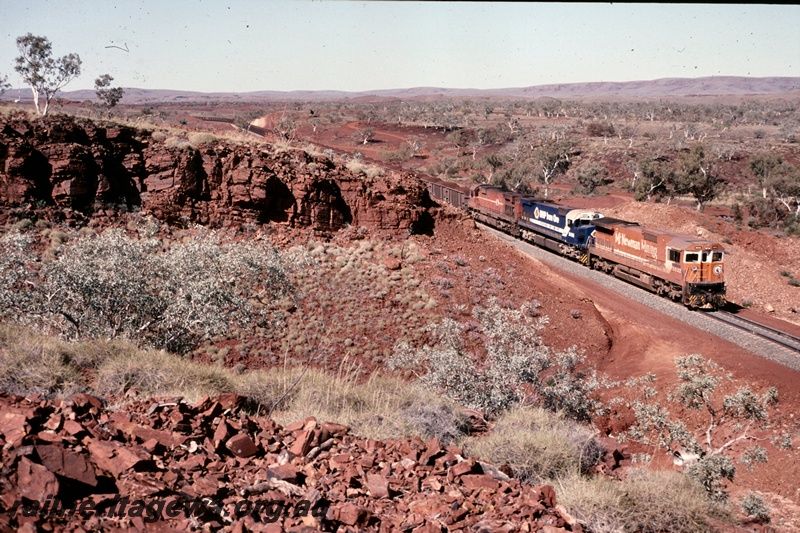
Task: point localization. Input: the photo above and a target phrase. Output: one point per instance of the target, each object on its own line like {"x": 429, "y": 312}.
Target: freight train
{"x": 681, "y": 267}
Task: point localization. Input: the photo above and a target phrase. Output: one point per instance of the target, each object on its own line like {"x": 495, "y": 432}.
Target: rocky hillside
{"x": 170, "y": 464}
{"x": 93, "y": 169}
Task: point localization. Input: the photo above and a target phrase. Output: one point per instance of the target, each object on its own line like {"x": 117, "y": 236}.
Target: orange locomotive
{"x": 678, "y": 266}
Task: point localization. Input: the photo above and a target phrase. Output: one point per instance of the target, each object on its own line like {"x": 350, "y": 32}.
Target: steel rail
{"x": 777, "y": 336}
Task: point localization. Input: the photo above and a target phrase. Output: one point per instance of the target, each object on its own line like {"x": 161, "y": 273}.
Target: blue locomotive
{"x": 562, "y": 229}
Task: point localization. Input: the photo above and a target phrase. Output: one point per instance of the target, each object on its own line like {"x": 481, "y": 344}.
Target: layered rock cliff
{"x": 91, "y": 168}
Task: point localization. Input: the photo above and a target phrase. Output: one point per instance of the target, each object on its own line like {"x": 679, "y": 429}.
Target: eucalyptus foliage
{"x": 45, "y": 74}
{"x": 108, "y": 96}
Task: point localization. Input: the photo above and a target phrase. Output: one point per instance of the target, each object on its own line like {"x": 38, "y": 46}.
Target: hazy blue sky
{"x": 233, "y": 45}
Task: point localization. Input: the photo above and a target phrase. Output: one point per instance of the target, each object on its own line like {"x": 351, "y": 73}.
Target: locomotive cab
{"x": 702, "y": 266}
{"x": 580, "y": 225}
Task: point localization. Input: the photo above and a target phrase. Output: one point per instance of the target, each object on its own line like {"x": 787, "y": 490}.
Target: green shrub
{"x": 711, "y": 473}
{"x": 518, "y": 368}
{"x": 755, "y": 506}
{"x": 111, "y": 285}
{"x": 732, "y": 415}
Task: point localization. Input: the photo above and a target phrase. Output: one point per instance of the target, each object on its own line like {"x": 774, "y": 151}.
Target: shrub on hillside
{"x": 600, "y": 129}
{"x": 730, "y": 421}
{"x": 111, "y": 285}
{"x": 755, "y": 506}
{"x": 518, "y": 368}
{"x": 16, "y": 264}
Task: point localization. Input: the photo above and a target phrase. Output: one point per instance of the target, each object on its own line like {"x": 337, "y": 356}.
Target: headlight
{"x": 718, "y": 270}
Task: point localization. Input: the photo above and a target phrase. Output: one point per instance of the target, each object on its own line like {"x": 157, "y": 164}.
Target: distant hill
{"x": 666, "y": 87}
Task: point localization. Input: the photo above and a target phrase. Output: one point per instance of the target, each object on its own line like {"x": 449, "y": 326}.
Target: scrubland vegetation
{"x": 130, "y": 312}
{"x": 132, "y": 307}
{"x": 742, "y": 154}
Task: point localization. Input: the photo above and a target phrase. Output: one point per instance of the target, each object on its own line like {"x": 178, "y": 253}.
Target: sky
{"x": 285, "y": 45}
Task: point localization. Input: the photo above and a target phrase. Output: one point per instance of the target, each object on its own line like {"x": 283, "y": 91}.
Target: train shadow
{"x": 732, "y": 308}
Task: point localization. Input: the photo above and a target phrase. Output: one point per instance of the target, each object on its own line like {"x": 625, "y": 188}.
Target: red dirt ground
{"x": 622, "y": 338}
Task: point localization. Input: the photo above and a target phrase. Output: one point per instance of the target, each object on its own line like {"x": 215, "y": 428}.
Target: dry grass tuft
{"x": 159, "y": 373}
{"x": 645, "y": 502}
{"x": 36, "y": 364}
{"x": 538, "y": 445}
{"x": 199, "y": 138}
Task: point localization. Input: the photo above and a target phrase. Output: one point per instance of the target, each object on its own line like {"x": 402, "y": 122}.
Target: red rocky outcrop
{"x": 92, "y": 169}
{"x": 212, "y": 452}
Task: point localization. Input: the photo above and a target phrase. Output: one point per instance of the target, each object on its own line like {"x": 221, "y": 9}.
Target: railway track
{"x": 760, "y": 330}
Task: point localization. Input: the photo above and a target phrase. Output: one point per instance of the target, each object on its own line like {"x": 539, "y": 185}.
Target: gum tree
{"x": 729, "y": 422}
{"x": 763, "y": 167}
{"x": 41, "y": 71}
{"x": 109, "y": 96}
{"x": 696, "y": 176}
{"x": 551, "y": 160}
{"x": 785, "y": 187}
